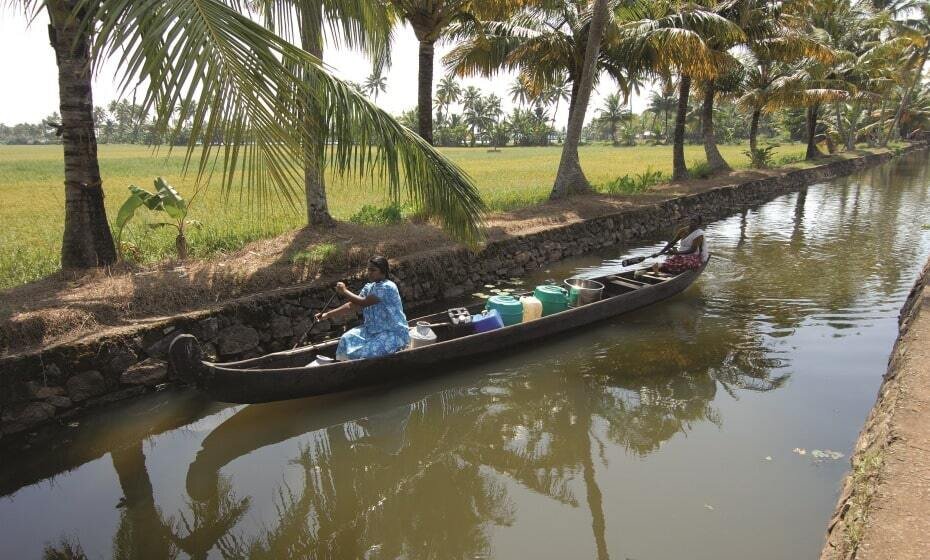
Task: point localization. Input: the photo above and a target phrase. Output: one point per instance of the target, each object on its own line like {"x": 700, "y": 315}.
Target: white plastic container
{"x": 422, "y": 335}
{"x": 532, "y": 308}
{"x": 320, "y": 361}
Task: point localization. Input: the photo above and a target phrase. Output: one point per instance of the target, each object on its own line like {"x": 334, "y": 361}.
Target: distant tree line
{"x": 120, "y": 122}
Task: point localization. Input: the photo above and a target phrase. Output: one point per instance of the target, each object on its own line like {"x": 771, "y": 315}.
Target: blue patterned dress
{"x": 384, "y": 330}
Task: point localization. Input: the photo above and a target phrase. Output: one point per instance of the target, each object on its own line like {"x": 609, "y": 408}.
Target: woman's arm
{"x": 696, "y": 246}
{"x": 355, "y": 302}
{"x": 670, "y": 246}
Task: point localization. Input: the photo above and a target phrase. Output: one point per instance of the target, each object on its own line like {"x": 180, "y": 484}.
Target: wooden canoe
{"x": 285, "y": 375}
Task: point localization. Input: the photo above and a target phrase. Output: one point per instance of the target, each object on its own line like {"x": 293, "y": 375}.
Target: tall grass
{"x": 32, "y": 196}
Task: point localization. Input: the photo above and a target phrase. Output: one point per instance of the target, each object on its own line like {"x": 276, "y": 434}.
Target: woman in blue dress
{"x": 384, "y": 330}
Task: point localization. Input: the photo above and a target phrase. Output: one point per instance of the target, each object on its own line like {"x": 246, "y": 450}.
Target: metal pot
{"x": 583, "y": 292}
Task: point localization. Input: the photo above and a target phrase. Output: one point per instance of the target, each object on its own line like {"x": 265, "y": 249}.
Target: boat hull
{"x": 280, "y": 376}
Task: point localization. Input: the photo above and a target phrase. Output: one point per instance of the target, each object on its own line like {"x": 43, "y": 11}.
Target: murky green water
{"x": 667, "y": 433}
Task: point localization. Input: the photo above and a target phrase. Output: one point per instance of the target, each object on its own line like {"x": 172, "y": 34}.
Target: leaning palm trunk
{"x": 570, "y": 178}
{"x": 425, "y": 91}
{"x": 311, "y": 39}
{"x": 87, "y": 240}
{"x": 812, "y": 151}
{"x": 714, "y": 159}
{"x": 679, "y": 168}
{"x": 754, "y": 130}
{"x": 906, "y": 98}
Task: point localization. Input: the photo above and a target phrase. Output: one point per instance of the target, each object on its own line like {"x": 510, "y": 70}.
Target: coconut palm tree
{"x": 667, "y": 37}
{"x": 350, "y": 24}
{"x": 448, "y": 92}
{"x": 915, "y": 25}
{"x": 663, "y": 102}
{"x": 233, "y": 79}
{"x": 521, "y": 92}
{"x": 547, "y": 43}
{"x": 612, "y": 112}
{"x": 554, "y": 94}
{"x": 431, "y": 21}
{"x": 374, "y": 84}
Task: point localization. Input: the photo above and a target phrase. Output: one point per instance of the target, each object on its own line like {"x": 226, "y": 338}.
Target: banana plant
{"x": 165, "y": 200}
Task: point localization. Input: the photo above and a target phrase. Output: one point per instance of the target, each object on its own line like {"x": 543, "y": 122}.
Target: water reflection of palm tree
{"x": 143, "y": 532}
{"x": 367, "y": 479}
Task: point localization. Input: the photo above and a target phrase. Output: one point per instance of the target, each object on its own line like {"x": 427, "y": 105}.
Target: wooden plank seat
{"x": 626, "y": 282}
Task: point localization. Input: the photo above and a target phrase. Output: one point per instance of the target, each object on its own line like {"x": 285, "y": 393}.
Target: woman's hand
{"x": 321, "y": 316}
{"x": 341, "y": 288}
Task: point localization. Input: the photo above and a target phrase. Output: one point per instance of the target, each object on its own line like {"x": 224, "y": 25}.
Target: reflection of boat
{"x": 283, "y": 375}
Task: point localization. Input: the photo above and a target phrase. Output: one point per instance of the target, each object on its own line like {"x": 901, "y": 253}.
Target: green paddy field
{"x": 32, "y": 195}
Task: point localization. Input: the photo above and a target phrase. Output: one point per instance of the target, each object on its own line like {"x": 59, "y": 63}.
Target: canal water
{"x": 706, "y": 427}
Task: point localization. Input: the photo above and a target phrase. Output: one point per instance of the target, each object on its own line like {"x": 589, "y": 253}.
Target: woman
{"x": 384, "y": 330}
{"x": 691, "y": 253}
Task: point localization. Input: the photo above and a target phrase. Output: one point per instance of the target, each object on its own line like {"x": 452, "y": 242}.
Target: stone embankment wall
{"x": 51, "y": 386}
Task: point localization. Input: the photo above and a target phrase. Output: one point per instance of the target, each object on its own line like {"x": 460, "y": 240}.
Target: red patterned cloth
{"x": 676, "y": 264}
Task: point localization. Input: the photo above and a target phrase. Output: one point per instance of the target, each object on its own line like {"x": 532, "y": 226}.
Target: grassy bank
{"x": 32, "y": 196}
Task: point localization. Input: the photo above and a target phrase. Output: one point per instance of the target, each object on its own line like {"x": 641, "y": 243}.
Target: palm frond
{"x": 243, "y": 84}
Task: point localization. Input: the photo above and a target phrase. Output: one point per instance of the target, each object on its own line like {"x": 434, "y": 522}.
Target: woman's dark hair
{"x": 697, "y": 220}
{"x": 381, "y": 264}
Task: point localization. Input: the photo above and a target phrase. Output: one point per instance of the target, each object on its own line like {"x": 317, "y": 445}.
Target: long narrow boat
{"x": 286, "y": 375}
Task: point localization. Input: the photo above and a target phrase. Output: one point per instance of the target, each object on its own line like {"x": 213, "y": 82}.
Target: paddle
{"x": 314, "y": 321}
{"x": 636, "y": 260}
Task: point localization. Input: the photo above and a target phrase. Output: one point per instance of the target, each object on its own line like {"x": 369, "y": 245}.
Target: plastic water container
{"x": 509, "y": 307}
{"x": 554, "y": 298}
{"x": 422, "y": 335}
{"x": 532, "y": 308}
{"x": 487, "y": 321}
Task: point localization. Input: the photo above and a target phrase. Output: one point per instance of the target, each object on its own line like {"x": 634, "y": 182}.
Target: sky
{"x": 31, "y": 93}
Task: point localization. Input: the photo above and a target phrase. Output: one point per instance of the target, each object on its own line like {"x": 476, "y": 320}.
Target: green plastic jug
{"x": 509, "y": 307}
{"x": 554, "y": 298}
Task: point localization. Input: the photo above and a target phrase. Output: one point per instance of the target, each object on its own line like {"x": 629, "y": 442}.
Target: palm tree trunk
{"x": 425, "y": 91}
{"x": 881, "y": 121}
{"x": 839, "y": 119}
{"x": 714, "y": 159}
{"x": 754, "y": 130}
{"x": 665, "y": 134}
{"x": 570, "y": 178}
{"x": 87, "y": 240}
{"x": 812, "y": 151}
{"x": 906, "y": 98}
{"x": 853, "y": 130}
{"x": 318, "y": 215}
{"x": 679, "y": 168}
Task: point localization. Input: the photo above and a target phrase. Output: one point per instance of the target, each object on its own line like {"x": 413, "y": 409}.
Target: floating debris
{"x": 481, "y": 295}
{"x": 826, "y": 454}
{"x": 489, "y": 286}
{"x": 709, "y": 507}
{"x": 768, "y": 457}
{"x": 799, "y": 451}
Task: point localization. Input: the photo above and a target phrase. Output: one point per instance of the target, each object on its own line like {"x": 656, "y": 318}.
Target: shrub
{"x": 761, "y": 158}
{"x": 627, "y": 184}
{"x": 370, "y": 215}
{"x": 699, "y": 170}
{"x": 318, "y": 254}
{"x": 789, "y": 159}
